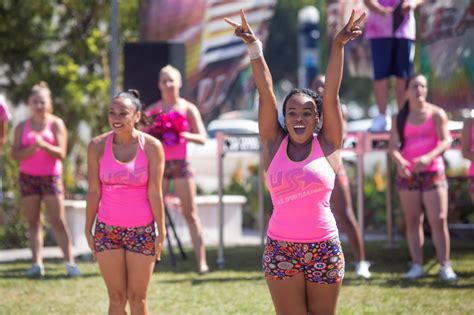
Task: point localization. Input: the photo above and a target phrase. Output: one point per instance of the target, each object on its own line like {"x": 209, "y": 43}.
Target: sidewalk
{"x": 248, "y": 238}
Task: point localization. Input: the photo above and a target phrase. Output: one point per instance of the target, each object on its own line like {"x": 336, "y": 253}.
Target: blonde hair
{"x": 43, "y": 86}
{"x": 172, "y": 71}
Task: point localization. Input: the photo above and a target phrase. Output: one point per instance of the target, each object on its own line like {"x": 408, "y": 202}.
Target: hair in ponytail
{"x": 401, "y": 121}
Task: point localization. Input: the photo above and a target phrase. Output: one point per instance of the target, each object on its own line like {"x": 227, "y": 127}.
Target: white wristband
{"x": 255, "y": 49}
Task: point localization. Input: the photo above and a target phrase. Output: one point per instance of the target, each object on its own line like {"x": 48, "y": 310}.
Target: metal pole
{"x": 261, "y": 200}
{"x": 360, "y": 183}
{"x": 388, "y": 202}
{"x": 114, "y": 48}
{"x": 220, "y": 215}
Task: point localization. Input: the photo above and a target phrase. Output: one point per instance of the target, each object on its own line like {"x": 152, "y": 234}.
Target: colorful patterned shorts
{"x": 470, "y": 184}
{"x": 322, "y": 262}
{"x": 423, "y": 181}
{"x": 31, "y": 185}
{"x": 177, "y": 169}
{"x": 139, "y": 239}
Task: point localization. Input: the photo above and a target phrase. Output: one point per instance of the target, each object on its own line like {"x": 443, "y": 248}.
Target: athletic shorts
{"x": 177, "y": 169}
{"x": 321, "y": 262}
{"x": 139, "y": 239}
{"x": 392, "y": 57}
{"x": 31, "y": 185}
{"x": 423, "y": 181}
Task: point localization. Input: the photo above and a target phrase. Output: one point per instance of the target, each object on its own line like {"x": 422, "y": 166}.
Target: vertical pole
{"x": 220, "y": 215}
{"x": 360, "y": 182}
{"x": 114, "y": 48}
{"x": 388, "y": 202}
{"x": 261, "y": 200}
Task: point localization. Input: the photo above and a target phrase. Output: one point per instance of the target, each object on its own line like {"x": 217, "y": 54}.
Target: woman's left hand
{"x": 351, "y": 30}
{"x": 420, "y": 163}
{"x": 159, "y": 241}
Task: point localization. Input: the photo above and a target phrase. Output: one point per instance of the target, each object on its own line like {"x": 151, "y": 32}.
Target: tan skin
{"x": 40, "y": 105}
{"x": 466, "y": 143}
{"x": 341, "y": 200}
{"x": 434, "y": 201}
{"x": 126, "y": 274}
{"x": 295, "y": 295}
{"x": 169, "y": 84}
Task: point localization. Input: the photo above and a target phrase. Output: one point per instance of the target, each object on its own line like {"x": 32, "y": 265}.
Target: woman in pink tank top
{"x": 302, "y": 260}
{"x": 177, "y": 111}
{"x": 125, "y": 171}
{"x": 467, "y": 146}
{"x": 40, "y": 145}
{"x": 418, "y": 138}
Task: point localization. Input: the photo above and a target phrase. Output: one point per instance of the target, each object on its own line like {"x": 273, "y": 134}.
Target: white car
{"x": 204, "y": 158}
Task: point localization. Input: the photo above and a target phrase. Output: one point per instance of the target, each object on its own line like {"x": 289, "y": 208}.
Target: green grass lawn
{"x": 240, "y": 288}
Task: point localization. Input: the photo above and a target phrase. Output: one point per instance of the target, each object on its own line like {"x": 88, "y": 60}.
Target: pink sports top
{"x": 420, "y": 140}
{"x": 40, "y": 163}
{"x": 300, "y": 194}
{"x": 124, "y": 188}
{"x": 471, "y": 169}
{"x": 178, "y": 150}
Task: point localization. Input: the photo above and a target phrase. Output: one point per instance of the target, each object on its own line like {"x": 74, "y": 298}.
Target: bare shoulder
{"x": 20, "y": 126}
{"x": 152, "y": 145}
{"x": 57, "y": 122}
{"x": 97, "y": 144}
{"x": 188, "y": 105}
{"x": 439, "y": 113}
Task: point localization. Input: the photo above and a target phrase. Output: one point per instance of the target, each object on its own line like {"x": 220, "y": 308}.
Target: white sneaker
{"x": 415, "y": 272}
{"x": 36, "y": 270}
{"x": 446, "y": 273}
{"x": 72, "y": 270}
{"x": 362, "y": 269}
{"x": 380, "y": 124}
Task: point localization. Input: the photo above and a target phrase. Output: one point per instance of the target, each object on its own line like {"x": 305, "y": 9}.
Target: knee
{"x": 58, "y": 224}
{"x": 136, "y": 298}
{"x": 190, "y": 215}
{"x": 118, "y": 298}
{"x": 35, "y": 224}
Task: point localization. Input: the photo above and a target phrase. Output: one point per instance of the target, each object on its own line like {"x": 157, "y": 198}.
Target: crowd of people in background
{"x": 303, "y": 238}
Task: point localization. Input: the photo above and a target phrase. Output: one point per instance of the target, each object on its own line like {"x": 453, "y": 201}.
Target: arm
{"x": 332, "y": 129}
{"x": 400, "y": 162}
{"x": 60, "y": 133}
{"x": 3, "y": 133}
{"x": 466, "y": 140}
{"x": 198, "y": 131}
{"x": 19, "y": 153}
{"x": 271, "y": 133}
{"x": 93, "y": 192}
{"x": 156, "y": 165}
{"x": 441, "y": 121}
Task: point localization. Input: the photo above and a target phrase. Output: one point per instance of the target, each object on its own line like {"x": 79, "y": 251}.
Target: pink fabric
{"x": 40, "y": 163}
{"x": 419, "y": 140}
{"x": 124, "y": 188}
{"x": 300, "y": 194}
{"x": 380, "y": 26}
{"x": 471, "y": 169}
{"x": 172, "y": 152}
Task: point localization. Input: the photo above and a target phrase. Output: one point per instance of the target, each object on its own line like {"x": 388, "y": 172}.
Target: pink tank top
{"x": 419, "y": 140}
{"x": 124, "y": 188}
{"x": 300, "y": 194}
{"x": 40, "y": 163}
{"x": 471, "y": 169}
{"x": 174, "y": 150}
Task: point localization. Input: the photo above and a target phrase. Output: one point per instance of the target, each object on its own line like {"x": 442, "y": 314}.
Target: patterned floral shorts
{"x": 31, "y": 185}
{"x": 139, "y": 239}
{"x": 177, "y": 169}
{"x": 423, "y": 181}
{"x": 321, "y": 262}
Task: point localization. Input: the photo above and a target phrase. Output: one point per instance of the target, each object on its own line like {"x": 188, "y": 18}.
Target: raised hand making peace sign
{"x": 351, "y": 30}
{"x": 243, "y": 29}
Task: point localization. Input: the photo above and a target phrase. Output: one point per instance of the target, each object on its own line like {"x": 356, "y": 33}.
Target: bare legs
{"x": 436, "y": 204}
{"x": 381, "y": 93}
{"x": 126, "y": 275}
{"x": 297, "y": 296}
{"x": 56, "y": 216}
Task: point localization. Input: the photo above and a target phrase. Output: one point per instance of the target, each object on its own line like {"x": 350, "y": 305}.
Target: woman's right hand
{"x": 403, "y": 170}
{"x": 242, "y": 30}
{"x": 90, "y": 242}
